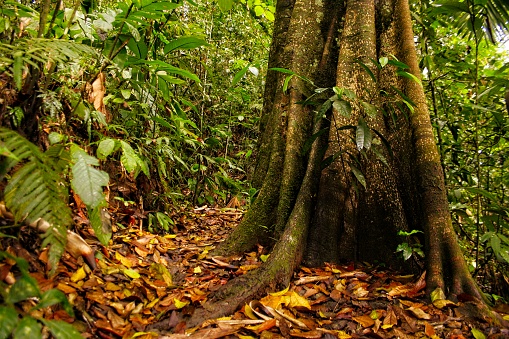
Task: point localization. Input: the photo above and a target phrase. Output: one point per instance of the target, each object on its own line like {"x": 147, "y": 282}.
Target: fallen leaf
{"x": 364, "y": 320}
{"x": 80, "y": 274}
{"x": 419, "y": 313}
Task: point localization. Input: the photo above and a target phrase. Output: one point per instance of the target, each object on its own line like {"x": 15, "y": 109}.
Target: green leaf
{"x": 482, "y": 192}
{"x": 358, "y": 174}
{"x": 184, "y": 43}
{"x": 61, "y": 329}
{"x": 105, "y": 148}
{"x": 478, "y": 334}
{"x": 129, "y": 158}
{"x": 87, "y": 181}
{"x": 287, "y": 83}
{"x": 17, "y": 69}
{"x": 55, "y": 138}
{"x": 239, "y": 76}
{"x": 343, "y": 107}
{"x": 161, "y": 6}
{"x": 282, "y": 70}
{"x": 495, "y": 244}
{"x": 54, "y": 297}
{"x": 380, "y": 156}
{"x": 25, "y": 287}
{"x": 225, "y": 5}
{"x": 28, "y": 327}
{"x": 409, "y": 76}
{"x": 8, "y": 321}
{"x": 363, "y": 136}
{"x": 309, "y": 142}
{"x": 101, "y": 223}
{"x": 35, "y": 190}
{"x": 383, "y": 61}
{"x": 367, "y": 69}
{"x": 370, "y": 109}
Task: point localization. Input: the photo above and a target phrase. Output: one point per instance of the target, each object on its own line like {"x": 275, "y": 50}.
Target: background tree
{"x": 381, "y": 170}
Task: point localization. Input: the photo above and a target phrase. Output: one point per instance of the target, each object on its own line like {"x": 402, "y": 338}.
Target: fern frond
{"x": 36, "y": 190}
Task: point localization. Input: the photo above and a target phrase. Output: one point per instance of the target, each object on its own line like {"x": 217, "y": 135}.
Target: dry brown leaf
{"x": 364, "y": 320}
{"x": 429, "y": 330}
{"x": 419, "y": 313}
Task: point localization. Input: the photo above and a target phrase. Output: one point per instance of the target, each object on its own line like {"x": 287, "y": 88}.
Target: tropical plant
{"x": 26, "y": 323}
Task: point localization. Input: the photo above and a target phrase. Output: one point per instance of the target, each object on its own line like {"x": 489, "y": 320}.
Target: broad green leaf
{"x": 28, "y": 327}
{"x": 101, "y": 223}
{"x": 184, "y": 43}
{"x": 25, "y": 287}
{"x": 349, "y": 94}
{"x": 380, "y": 156}
{"x": 161, "y": 6}
{"x": 105, "y": 148}
{"x": 358, "y": 174}
{"x": 363, "y": 136}
{"x": 17, "y": 69}
{"x": 359, "y": 137}
{"x": 53, "y": 297}
{"x": 482, "y": 192}
{"x": 129, "y": 158}
{"x": 383, "y": 61}
{"x": 225, "y": 5}
{"x": 239, "y": 76}
{"x": 343, "y": 107}
{"x": 61, "y": 329}
{"x": 495, "y": 244}
{"x": 87, "y": 181}
{"x": 8, "y": 319}
{"x": 370, "y": 109}
{"x": 478, "y": 334}
{"x": 55, "y": 138}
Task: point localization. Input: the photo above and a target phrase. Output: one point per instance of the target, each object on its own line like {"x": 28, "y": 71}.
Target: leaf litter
{"x": 147, "y": 285}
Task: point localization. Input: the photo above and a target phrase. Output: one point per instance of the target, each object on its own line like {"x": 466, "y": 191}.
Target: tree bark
{"x": 300, "y": 203}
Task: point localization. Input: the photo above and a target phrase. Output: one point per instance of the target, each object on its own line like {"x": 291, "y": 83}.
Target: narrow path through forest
{"x": 147, "y": 285}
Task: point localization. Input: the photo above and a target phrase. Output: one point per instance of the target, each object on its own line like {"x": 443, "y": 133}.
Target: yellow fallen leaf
{"x": 373, "y": 315}
{"x": 441, "y": 303}
{"x": 170, "y": 236}
{"x": 506, "y": 317}
{"x": 248, "y": 311}
{"x": 123, "y": 260}
{"x": 153, "y": 303}
{"x": 437, "y": 294}
{"x": 80, "y": 274}
{"x": 298, "y": 301}
{"x": 179, "y": 304}
{"x": 386, "y": 326}
{"x": 112, "y": 287}
{"x": 343, "y": 335}
{"x": 131, "y": 273}
{"x": 280, "y": 293}
{"x": 197, "y": 270}
{"x": 264, "y": 257}
{"x": 245, "y": 336}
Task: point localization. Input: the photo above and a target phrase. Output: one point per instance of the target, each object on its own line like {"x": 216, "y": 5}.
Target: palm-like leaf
{"x": 469, "y": 17}
{"x": 36, "y": 190}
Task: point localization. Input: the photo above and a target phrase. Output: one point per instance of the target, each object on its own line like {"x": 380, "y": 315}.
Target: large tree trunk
{"x": 300, "y": 204}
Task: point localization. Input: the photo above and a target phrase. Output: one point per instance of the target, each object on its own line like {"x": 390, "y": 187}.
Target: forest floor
{"x": 146, "y": 286}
